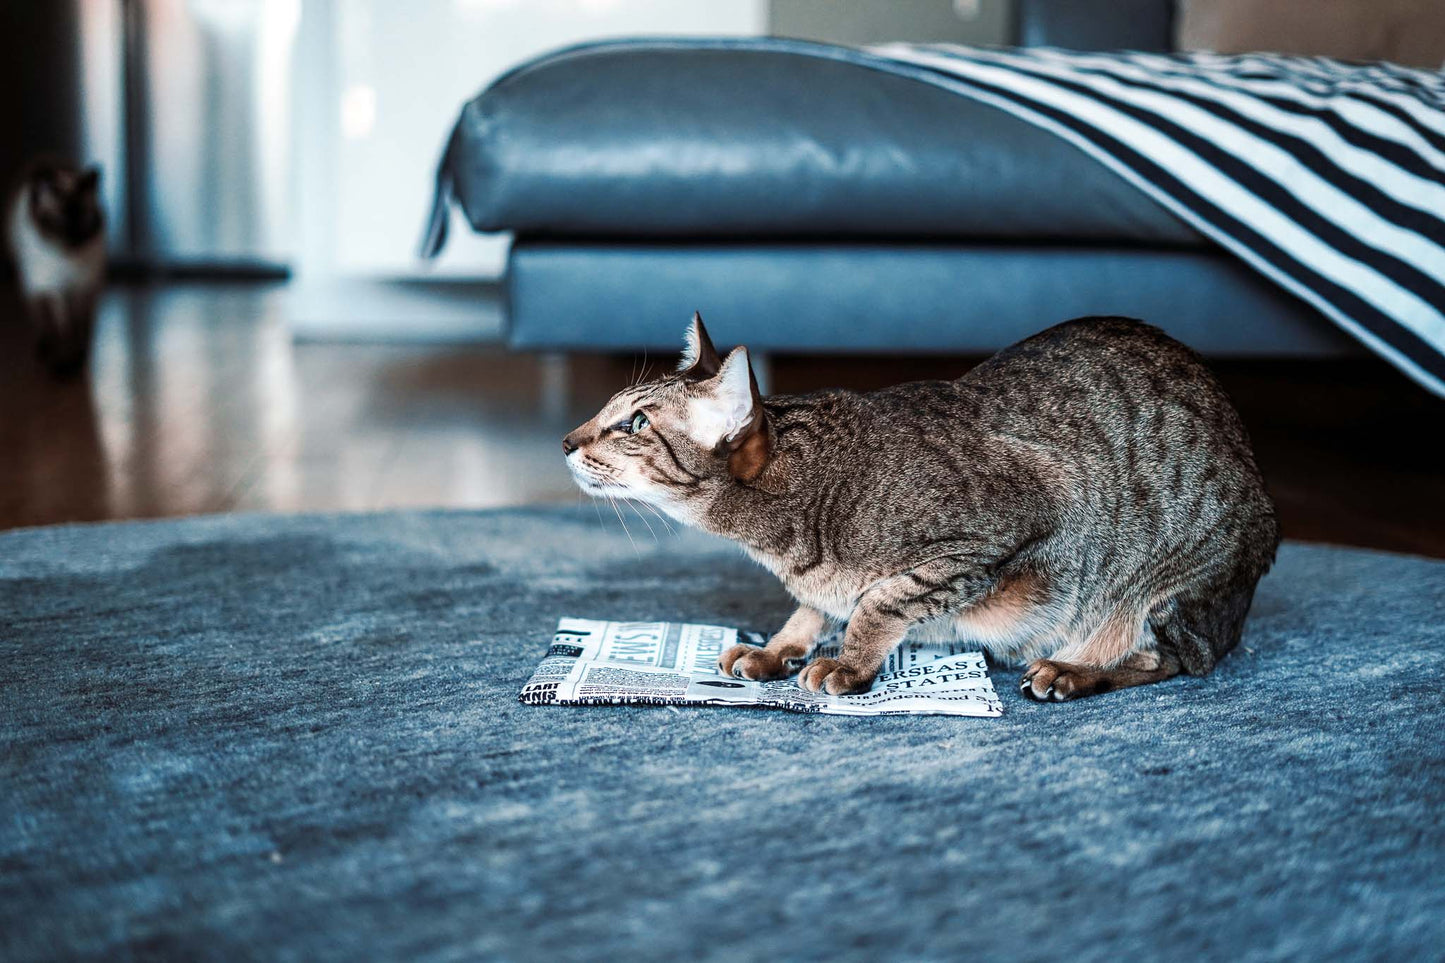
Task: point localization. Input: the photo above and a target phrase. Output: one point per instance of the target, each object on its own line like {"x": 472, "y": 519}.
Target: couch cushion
{"x": 772, "y": 137}
{"x": 871, "y": 296}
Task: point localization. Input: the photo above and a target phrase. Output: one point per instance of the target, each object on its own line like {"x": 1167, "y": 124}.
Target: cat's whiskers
{"x": 660, "y": 517}
{"x": 613, "y": 502}
{"x": 633, "y": 505}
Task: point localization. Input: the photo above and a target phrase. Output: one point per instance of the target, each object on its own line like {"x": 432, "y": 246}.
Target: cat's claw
{"x": 834, "y": 678}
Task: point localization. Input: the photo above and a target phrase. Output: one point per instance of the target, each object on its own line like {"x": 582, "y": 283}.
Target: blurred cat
{"x": 55, "y": 231}
{"x": 1085, "y": 501}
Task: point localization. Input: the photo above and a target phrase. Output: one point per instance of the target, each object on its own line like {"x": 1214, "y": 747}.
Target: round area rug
{"x": 300, "y": 737}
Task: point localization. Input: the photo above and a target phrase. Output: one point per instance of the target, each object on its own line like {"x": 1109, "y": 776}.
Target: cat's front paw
{"x": 759, "y": 665}
{"x": 834, "y": 678}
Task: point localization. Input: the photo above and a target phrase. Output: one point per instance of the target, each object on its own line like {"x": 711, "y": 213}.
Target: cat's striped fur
{"x": 1085, "y": 501}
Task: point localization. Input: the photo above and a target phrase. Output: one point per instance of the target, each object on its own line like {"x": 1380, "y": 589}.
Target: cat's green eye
{"x": 633, "y": 425}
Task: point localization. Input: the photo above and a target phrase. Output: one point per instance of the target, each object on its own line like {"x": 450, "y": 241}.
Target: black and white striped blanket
{"x": 1327, "y": 177}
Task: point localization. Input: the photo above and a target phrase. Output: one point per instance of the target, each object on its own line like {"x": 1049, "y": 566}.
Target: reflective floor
{"x": 197, "y": 400}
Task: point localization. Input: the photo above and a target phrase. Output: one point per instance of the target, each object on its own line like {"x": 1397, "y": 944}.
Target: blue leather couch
{"x": 803, "y": 201}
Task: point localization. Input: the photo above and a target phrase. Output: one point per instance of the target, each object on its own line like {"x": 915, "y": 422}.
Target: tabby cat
{"x": 56, "y": 235}
{"x": 1085, "y": 501}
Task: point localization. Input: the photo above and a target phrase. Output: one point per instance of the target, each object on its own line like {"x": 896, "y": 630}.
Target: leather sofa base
{"x": 902, "y": 298}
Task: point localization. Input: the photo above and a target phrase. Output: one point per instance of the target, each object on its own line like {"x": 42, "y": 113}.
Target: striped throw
{"x": 1327, "y": 177}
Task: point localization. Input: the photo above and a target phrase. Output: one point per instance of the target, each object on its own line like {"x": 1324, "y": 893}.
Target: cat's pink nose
{"x": 570, "y": 444}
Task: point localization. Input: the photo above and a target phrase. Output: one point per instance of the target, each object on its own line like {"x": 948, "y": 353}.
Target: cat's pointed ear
{"x": 727, "y": 415}
{"x": 700, "y": 359}
{"x": 89, "y": 180}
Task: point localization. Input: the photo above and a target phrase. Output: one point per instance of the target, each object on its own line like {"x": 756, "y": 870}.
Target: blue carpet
{"x": 299, "y": 738}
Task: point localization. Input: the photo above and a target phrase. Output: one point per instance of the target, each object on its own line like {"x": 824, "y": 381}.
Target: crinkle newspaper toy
{"x": 673, "y": 663}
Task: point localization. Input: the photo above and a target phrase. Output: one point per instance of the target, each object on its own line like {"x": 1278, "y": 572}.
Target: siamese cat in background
{"x": 55, "y": 232}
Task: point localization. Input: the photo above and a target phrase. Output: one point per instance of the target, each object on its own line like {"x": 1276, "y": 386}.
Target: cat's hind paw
{"x": 1048, "y": 681}
{"x": 834, "y": 678}
{"x": 755, "y": 664}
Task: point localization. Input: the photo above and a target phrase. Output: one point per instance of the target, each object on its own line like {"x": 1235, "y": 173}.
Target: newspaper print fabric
{"x": 593, "y": 662}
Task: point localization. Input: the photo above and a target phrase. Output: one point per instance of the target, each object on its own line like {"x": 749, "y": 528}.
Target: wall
{"x": 40, "y": 80}
{"x": 380, "y": 84}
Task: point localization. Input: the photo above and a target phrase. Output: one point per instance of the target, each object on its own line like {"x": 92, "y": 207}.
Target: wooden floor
{"x": 198, "y": 401}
